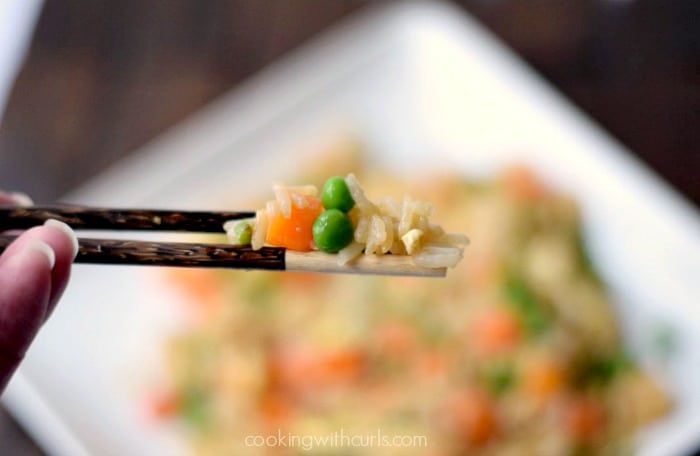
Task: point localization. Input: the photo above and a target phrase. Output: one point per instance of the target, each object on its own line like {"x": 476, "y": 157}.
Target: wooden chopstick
{"x": 392, "y": 265}
{"x": 182, "y": 254}
{"x": 119, "y": 219}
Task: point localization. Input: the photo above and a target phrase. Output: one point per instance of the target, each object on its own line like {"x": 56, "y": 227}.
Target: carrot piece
{"x": 395, "y": 338}
{"x": 201, "y": 290}
{"x": 275, "y": 407}
{"x": 341, "y": 365}
{"x": 471, "y": 417}
{"x": 543, "y": 378}
{"x": 583, "y": 419}
{"x": 495, "y": 332}
{"x": 305, "y": 368}
{"x": 431, "y": 364}
{"x": 163, "y": 404}
{"x": 522, "y": 184}
{"x": 200, "y": 285}
{"x": 294, "y": 232}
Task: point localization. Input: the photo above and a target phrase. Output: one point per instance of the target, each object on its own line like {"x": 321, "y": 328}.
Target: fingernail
{"x": 43, "y": 248}
{"x": 67, "y": 230}
{"x": 21, "y": 199}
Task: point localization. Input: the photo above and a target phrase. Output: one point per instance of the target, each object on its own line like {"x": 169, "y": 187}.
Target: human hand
{"x": 34, "y": 271}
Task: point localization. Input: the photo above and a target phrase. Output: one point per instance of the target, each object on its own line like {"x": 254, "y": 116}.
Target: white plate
{"x": 418, "y": 80}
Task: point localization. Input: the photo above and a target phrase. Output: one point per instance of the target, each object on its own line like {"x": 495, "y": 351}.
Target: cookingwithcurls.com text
{"x": 337, "y": 439}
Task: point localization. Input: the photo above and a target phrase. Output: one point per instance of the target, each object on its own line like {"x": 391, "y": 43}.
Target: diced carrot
{"x": 495, "y": 331}
{"x": 275, "y": 407}
{"x": 543, "y": 378}
{"x": 202, "y": 292}
{"x": 471, "y": 417}
{"x": 294, "y": 232}
{"x": 583, "y": 419}
{"x": 310, "y": 368}
{"x": 521, "y": 183}
{"x": 431, "y": 364}
{"x": 163, "y": 404}
{"x": 200, "y": 285}
{"x": 341, "y": 365}
{"x": 395, "y": 338}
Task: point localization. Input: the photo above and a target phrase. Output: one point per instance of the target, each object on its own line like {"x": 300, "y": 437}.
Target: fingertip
{"x": 67, "y": 232}
{"x": 61, "y": 241}
{"x": 21, "y": 199}
{"x": 42, "y": 248}
{"x": 25, "y": 290}
{"x": 65, "y": 244}
{"x": 15, "y": 199}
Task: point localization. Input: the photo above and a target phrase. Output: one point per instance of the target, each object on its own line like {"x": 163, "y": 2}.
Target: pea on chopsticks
{"x": 332, "y": 231}
{"x": 336, "y": 195}
{"x": 239, "y": 233}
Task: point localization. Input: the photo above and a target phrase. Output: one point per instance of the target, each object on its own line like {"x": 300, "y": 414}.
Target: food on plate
{"x": 343, "y": 220}
{"x": 517, "y": 351}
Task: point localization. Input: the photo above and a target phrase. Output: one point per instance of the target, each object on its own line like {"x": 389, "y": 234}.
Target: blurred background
{"x": 102, "y": 77}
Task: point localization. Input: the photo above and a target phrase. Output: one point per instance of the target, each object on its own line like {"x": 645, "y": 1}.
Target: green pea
{"x": 332, "y": 231}
{"x": 195, "y": 407}
{"x": 500, "y": 378}
{"x": 336, "y": 195}
{"x": 529, "y": 307}
{"x": 243, "y": 232}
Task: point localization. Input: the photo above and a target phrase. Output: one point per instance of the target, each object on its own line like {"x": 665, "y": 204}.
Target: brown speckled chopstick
{"x": 182, "y": 254}
{"x": 119, "y": 219}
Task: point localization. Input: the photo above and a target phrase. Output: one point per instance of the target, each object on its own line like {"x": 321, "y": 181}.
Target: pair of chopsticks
{"x": 182, "y": 254}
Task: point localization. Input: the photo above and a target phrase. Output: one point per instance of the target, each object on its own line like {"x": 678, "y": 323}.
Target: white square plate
{"x": 417, "y": 80}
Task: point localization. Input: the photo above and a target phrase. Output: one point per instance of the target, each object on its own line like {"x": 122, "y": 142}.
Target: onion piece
{"x": 259, "y": 230}
{"x": 283, "y": 199}
{"x": 349, "y": 253}
{"x": 432, "y": 256}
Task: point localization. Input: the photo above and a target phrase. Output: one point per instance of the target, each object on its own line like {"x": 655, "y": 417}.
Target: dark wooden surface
{"x": 104, "y": 76}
